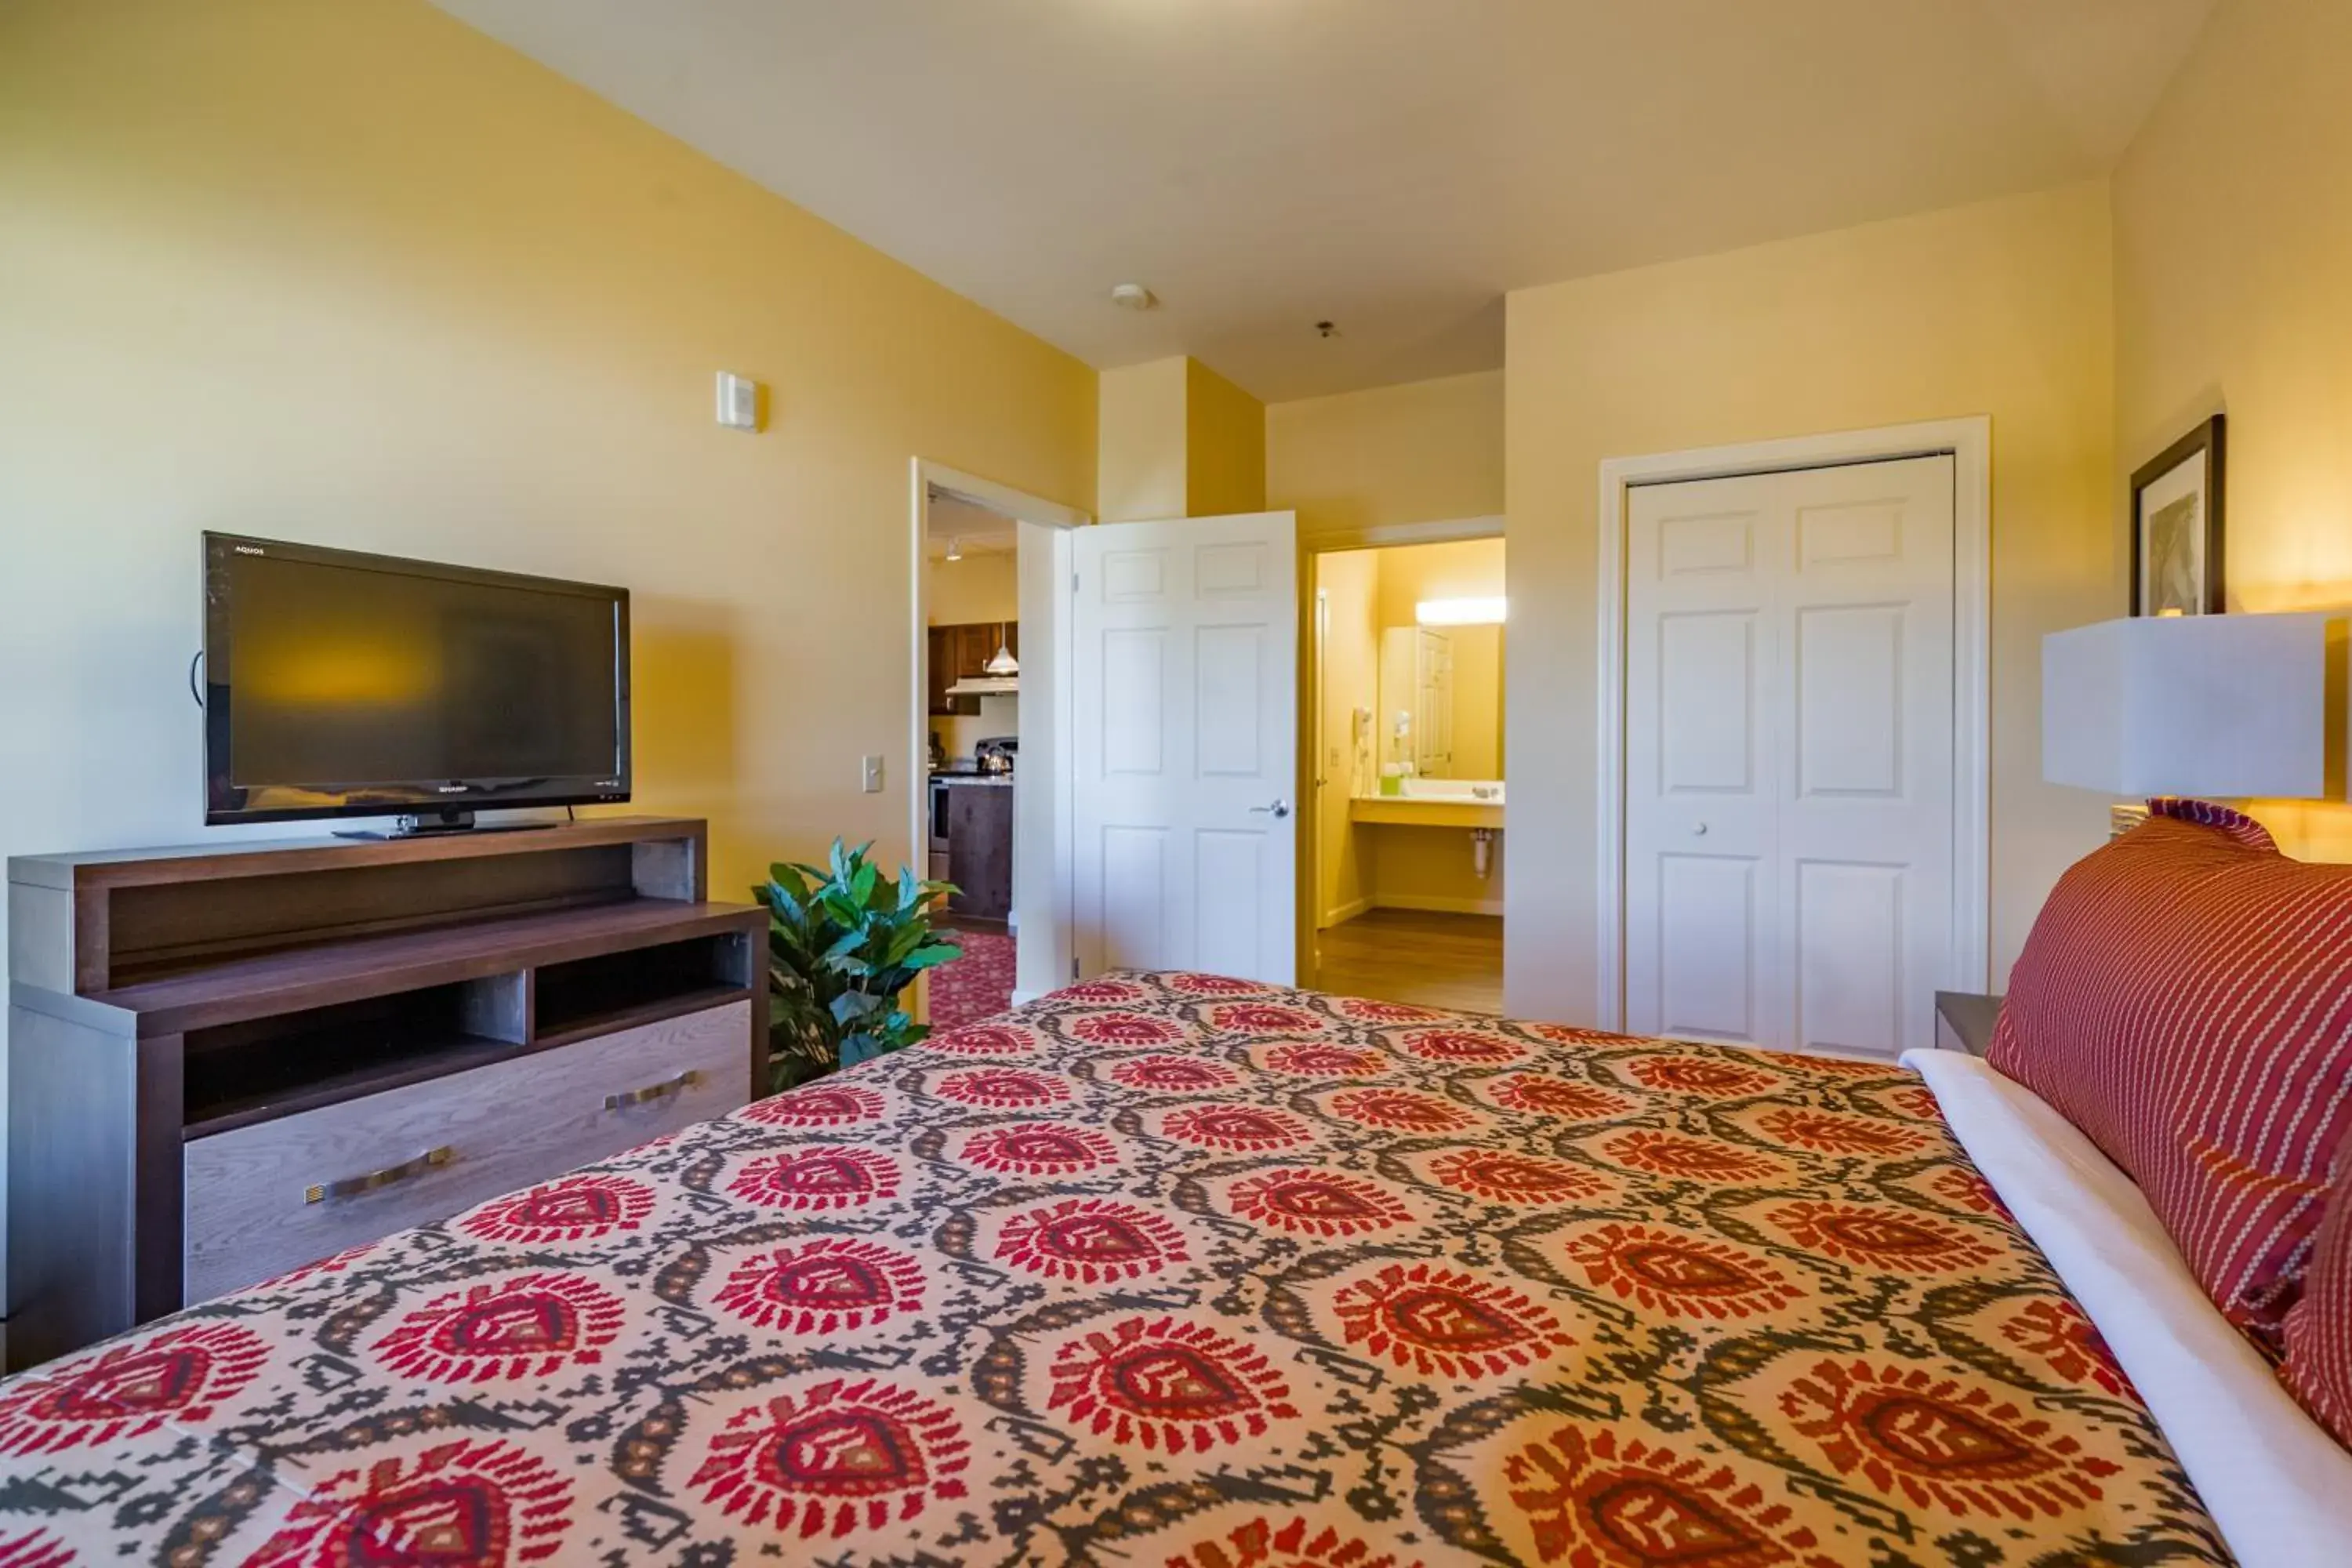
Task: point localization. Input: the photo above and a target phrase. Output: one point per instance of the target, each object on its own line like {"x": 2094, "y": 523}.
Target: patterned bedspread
{"x": 1164, "y": 1269}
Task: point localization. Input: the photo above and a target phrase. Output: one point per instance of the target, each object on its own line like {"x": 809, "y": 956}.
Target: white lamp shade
{"x": 2233, "y": 707}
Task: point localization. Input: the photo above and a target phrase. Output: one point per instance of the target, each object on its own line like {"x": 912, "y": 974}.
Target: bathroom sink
{"x": 1434, "y": 803}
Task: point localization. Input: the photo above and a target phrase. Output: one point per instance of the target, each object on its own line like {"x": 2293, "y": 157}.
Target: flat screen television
{"x": 339, "y": 685}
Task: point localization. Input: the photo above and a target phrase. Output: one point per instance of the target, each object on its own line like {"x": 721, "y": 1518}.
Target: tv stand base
{"x": 427, "y": 823}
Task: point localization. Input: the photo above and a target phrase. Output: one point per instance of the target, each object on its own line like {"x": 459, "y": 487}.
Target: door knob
{"x": 1280, "y": 809}
{"x": 1700, "y": 828}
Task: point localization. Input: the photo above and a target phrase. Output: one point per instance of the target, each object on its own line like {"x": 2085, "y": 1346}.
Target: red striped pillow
{"x": 2186, "y": 999}
{"x": 2318, "y": 1369}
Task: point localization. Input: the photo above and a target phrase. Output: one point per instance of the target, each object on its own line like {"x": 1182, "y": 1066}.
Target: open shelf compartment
{"x": 234, "y": 1074}
{"x": 621, "y": 990}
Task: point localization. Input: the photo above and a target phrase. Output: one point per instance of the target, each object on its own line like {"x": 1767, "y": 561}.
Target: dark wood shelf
{"x": 95, "y": 870}
{"x": 676, "y": 1004}
{"x": 414, "y": 1064}
{"x": 197, "y": 1035}
{"x": 377, "y": 965}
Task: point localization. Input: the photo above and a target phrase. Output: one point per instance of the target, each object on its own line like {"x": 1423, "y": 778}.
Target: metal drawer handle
{"x": 661, "y": 1090}
{"x": 352, "y": 1186}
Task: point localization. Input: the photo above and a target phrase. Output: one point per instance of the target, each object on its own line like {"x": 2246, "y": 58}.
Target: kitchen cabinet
{"x": 980, "y": 848}
{"x": 963, "y": 651}
{"x": 939, "y": 668}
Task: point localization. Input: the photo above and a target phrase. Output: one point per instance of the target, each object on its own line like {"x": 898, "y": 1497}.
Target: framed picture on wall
{"x": 2176, "y": 502}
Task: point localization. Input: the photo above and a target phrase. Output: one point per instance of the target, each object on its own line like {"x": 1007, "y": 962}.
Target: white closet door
{"x": 1787, "y": 759}
{"x": 1701, "y": 836}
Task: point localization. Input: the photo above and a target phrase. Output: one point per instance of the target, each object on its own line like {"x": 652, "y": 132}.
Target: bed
{"x": 1178, "y": 1269}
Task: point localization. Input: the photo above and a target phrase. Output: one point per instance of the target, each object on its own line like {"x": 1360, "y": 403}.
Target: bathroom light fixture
{"x": 1133, "y": 297}
{"x": 955, "y": 548}
{"x": 1472, "y": 612}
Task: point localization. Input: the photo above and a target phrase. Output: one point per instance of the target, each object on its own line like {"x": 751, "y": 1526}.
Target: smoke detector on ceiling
{"x": 1133, "y": 297}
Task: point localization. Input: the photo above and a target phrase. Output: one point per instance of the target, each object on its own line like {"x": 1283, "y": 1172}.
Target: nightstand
{"x": 1964, "y": 1021}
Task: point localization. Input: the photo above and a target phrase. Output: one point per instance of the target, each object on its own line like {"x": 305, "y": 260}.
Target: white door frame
{"x": 1968, "y": 442}
{"x": 1045, "y": 654}
{"x": 1312, "y": 741}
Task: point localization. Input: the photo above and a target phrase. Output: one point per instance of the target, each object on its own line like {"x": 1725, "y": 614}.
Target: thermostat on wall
{"x": 739, "y": 402}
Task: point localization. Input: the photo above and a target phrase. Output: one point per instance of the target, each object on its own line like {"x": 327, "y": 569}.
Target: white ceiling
{"x": 975, "y": 529}
{"x": 1393, "y": 165}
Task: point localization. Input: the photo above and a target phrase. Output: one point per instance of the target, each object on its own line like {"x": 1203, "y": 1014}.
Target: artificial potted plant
{"x": 844, "y": 942}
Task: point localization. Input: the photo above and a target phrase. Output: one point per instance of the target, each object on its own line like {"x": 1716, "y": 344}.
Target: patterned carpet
{"x": 977, "y": 985}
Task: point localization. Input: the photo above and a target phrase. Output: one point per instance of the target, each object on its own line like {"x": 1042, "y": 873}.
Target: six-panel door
{"x": 1788, "y": 755}
{"x": 1185, "y": 745}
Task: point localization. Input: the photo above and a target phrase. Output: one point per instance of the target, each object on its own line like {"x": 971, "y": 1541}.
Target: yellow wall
{"x": 1178, "y": 440}
{"x": 1351, "y": 580}
{"x": 1140, "y": 468}
{"x": 356, "y": 274}
{"x": 1424, "y": 452}
{"x": 2233, "y": 248}
{"x": 2002, "y": 309}
{"x": 1429, "y": 868}
{"x": 986, "y": 585}
{"x": 1225, "y": 446}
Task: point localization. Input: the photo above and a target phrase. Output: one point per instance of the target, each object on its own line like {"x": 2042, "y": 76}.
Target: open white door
{"x": 1184, "y": 740}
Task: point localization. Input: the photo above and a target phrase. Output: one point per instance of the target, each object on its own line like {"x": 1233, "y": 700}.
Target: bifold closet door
{"x": 1789, "y": 756}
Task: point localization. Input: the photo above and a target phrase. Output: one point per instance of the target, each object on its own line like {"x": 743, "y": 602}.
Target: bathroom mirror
{"x": 1441, "y": 706}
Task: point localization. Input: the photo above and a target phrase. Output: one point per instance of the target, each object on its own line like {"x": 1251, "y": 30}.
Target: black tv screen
{"x": 340, "y": 684}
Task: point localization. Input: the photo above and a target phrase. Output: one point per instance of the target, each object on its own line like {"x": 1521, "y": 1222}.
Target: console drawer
{"x": 265, "y": 1198}
{"x": 618, "y": 1091}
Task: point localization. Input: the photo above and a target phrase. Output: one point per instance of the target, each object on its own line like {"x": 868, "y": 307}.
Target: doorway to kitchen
{"x": 1407, "y": 744}
{"x": 990, "y": 810}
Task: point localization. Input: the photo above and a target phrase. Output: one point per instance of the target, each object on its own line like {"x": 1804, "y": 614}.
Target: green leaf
{"x": 903, "y": 942}
{"x": 845, "y": 941}
{"x": 851, "y": 1006}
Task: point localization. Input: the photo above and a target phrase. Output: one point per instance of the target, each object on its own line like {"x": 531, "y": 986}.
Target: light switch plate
{"x": 873, "y": 775}
{"x": 739, "y": 402}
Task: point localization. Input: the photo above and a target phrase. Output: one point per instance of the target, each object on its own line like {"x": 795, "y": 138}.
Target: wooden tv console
{"x": 225, "y": 1062}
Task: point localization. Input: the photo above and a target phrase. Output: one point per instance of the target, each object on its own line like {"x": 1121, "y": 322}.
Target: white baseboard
{"x": 1021, "y": 997}
{"x": 1345, "y": 911}
{"x": 1437, "y": 905}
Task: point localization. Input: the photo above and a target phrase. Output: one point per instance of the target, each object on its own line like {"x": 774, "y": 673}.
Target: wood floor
{"x": 1407, "y": 956}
